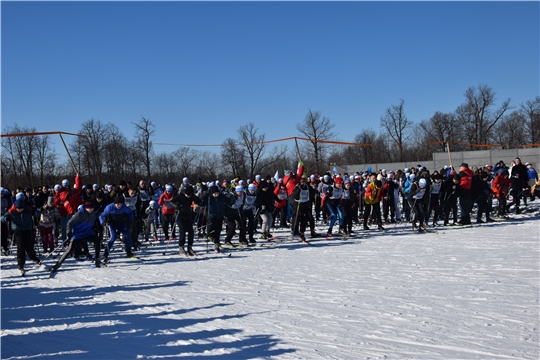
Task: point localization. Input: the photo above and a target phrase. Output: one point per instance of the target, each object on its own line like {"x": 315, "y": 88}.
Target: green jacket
{"x": 20, "y": 221}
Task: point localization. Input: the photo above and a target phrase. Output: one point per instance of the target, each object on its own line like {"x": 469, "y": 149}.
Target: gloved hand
{"x": 69, "y": 235}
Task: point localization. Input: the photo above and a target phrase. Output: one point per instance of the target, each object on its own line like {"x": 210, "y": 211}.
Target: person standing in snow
{"x": 119, "y": 218}
{"x": 81, "y": 228}
{"x": 348, "y": 206}
{"x": 465, "y": 193}
{"x": 302, "y": 196}
{"x": 183, "y": 203}
{"x": 533, "y": 177}
{"x": 500, "y": 187}
{"x": 22, "y": 224}
{"x": 48, "y": 218}
{"x": 133, "y": 201}
{"x": 417, "y": 200}
{"x": 519, "y": 177}
{"x": 167, "y": 211}
{"x": 373, "y": 203}
{"x": 434, "y": 204}
{"x": 216, "y": 202}
{"x": 332, "y": 202}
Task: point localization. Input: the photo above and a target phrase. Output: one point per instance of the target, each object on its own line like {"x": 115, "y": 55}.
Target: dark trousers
{"x": 501, "y": 209}
{"x": 231, "y": 227}
{"x": 25, "y": 245}
{"x": 214, "y": 226}
{"x": 185, "y": 225}
{"x": 464, "y": 206}
{"x": 419, "y": 212}
{"x": 389, "y": 206}
{"x": 375, "y": 211}
{"x": 168, "y": 220}
{"x": 76, "y": 243}
{"x": 482, "y": 209}
{"x": 348, "y": 212}
{"x": 450, "y": 205}
{"x": 4, "y": 234}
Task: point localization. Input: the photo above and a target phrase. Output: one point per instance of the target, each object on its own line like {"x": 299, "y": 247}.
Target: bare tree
{"x": 315, "y": 129}
{"x": 478, "y": 116}
{"x": 396, "y": 123}
{"x": 21, "y": 151}
{"x": 365, "y": 154}
{"x": 45, "y": 159}
{"x": 208, "y": 166}
{"x": 184, "y": 158}
{"x": 88, "y": 149}
{"x": 509, "y": 132}
{"x": 164, "y": 167}
{"x": 253, "y": 145}
{"x": 440, "y": 129}
{"x": 234, "y": 157}
{"x": 531, "y": 113}
{"x": 144, "y": 130}
{"x": 115, "y": 153}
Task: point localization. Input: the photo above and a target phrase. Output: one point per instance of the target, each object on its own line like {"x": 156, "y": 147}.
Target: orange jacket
{"x": 500, "y": 185}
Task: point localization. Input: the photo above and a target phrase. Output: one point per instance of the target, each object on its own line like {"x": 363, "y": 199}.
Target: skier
{"x": 449, "y": 195}
{"x": 417, "y": 200}
{"x": 183, "y": 202}
{"x": 150, "y": 221}
{"x": 281, "y": 204}
{"x": 267, "y": 198}
{"x": 67, "y": 201}
{"x": 348, "y": 206}
{"x": 302, "y": 196}
{"x": 22, "y": 224}
{"x": 465, "y": 193}
{"x": 501, "y": 186}
{"x": 373, "y": 203}
{"x": 434, "y": 204}
{"x": 233, "y": 213}
{"x": 119, "y": 218}
{"x": 388, "y": 194}
{"x": 332, "y": 203}
{"x": 215, "y": 202}
{"x": 249, "y": 211}
{"x": 133, "y": 201}
{"x": 48, "y": 219}
{"x": 6, "y": 204}
{"x": 81, "y": 227}
{"x": 168, "y": 211}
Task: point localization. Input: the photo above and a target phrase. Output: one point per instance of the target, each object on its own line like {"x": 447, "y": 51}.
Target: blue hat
{"x": 19, "y": 204}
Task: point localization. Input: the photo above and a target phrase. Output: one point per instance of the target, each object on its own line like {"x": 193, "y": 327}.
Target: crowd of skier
{"x": 69, "y": 216}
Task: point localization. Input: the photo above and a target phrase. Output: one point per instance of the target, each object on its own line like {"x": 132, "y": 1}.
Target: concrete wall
{"x": 473, "y": 158}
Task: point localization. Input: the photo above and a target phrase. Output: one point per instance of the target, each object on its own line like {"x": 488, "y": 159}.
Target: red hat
{"x": 89, "y": 204}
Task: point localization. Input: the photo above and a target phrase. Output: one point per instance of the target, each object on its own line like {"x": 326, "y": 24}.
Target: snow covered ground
{"x": 469, "y": 293}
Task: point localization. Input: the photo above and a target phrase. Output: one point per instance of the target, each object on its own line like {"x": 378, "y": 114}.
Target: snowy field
{"x": 468, "y": 293}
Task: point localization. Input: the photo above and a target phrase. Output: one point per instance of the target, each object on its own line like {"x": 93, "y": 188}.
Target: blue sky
{"x": 200, "y": 70}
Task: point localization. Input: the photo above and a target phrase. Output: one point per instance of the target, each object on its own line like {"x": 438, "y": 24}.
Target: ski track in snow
{"x": 469, "y": 293}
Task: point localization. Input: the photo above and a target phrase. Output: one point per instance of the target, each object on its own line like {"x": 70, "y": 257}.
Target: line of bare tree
{"x": 103, "y": 154}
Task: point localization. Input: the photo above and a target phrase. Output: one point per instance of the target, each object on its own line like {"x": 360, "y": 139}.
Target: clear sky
{"x": 200, "y": 70}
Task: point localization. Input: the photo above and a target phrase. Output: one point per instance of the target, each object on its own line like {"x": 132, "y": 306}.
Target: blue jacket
{"x": 82, "y": 223}
{"x": 407, "y": 188}
{"x": 216, "y": 205}
{"x": 532, "y": 173}
{"x": 116, "y": 216}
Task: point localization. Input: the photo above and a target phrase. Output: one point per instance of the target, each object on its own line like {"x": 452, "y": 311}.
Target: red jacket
{"x": 465, "y": 181}
{"x": 290, "y": 181}
{"x": 282, "y": 202}
{"x": 500, "y": 185}
{"x": 164, "y": 202}
{"x": 67, "y": 201}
